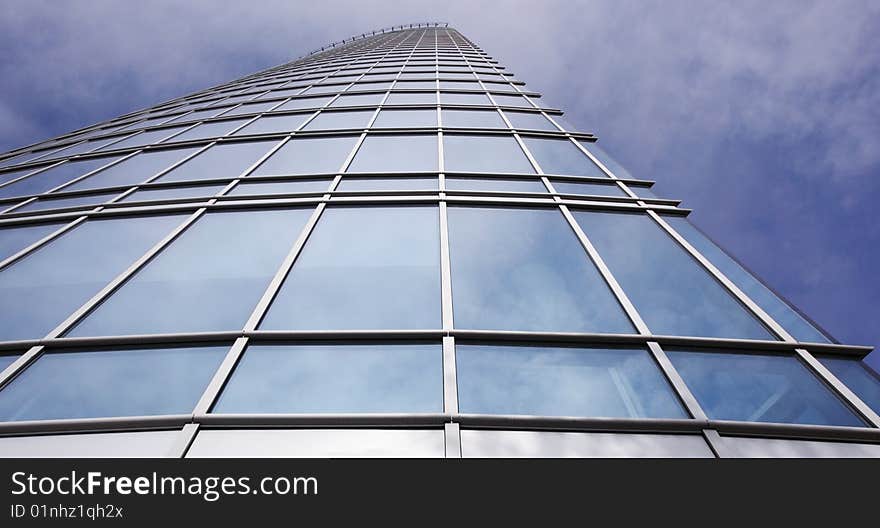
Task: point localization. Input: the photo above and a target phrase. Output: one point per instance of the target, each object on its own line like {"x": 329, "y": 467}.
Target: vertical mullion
{"x": 838, "y": 386}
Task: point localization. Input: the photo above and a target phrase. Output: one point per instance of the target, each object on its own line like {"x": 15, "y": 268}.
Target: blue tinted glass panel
{"x": 396, "y": 153}
{"x": 199, "y": 191}
{"x": 562, "y": 381}
{"x": 472, "y": 119}
{"x": 208, "y": 130}
{"x": 146, "y": 138}
{"x": 9, "y": 176}
{"x": 600, "y": 189}
{"x": 495, "y": 184}
{"x": 5, "y": 361}
{"x": 605, "y": 159}
{"x": 310, "y": 155}
{"x": 766, "y": 299}
{"x": 463, "y": 99}
{"x": 252, "y": 108}
{"x": 209, "y": 278}
{"x": 336, "y": 379}
{"x": 52, "y": 177}
{"x": 524, "y": 269}
{"x": 671, "y": 291}
{"x": 304, "y": 102}
{"x": 295, "y": 186}
{"x": 197, "y": 115}
{"x": 858, "y": 376}
{"x": 91, "y": 199}
{"x": 406, "y": 98}
{"x": 416, "y": 85}
{"x": 561, "y": 156}
{"x": 759, "y": 388}
{"x": 484, "y": 154}
{"x": 14, "y": 239}
{"x": 529, "y": 121}
{"x": 226, "y": 160}
{"x": 93, "y": 384}
{"x": 642, "y": 192}
{"x": 512, "y": 100}
{"x": 350, "y": 183}
{"x": 340, "y": 120}
{"x": 406, "y": 119}
{"x": 39, "y": 291}
{"x": 364, "y": 268}
{"x": 358, "y": 100}
{"x": 269, "y": 124}
{"x": 136, "y": 169}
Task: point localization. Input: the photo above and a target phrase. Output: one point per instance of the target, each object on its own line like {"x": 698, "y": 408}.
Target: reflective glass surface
{"x": 270, "y": 124}
{"x": 282, "y": 187}
{"x": 303, "y": 102}
{"x": 136, "y": 169}
{"x": 210, "y": 129}
{"x": 560, "y": 156}
{"x": 512, "y": 100}
{"x": 759, "y": 388}
{"x": 858, "y": 376}
{"x": 406, "y": 98}
{"x": 90, "y": 384}
{"x": 210, "y": 278}
{"x": 576, "y": 187}
{"x": 364, "y": 268}
{"x": 495, "y": 184}
{"x": 382, "y": 153}
{"x": 39, "y": 291}
{"x": 308, "y": 155}
{"x": 336, "y": 378}
{"x": 7, "y": 360}
{"x": 562, "y": 381}
{"x": 529, "y": 121}
{"x": 447, "y": 98}
{"x": 252, "y": 108}
{"x": 74, "y": 201}
{"x": 14, "y": 239}
{"x": 337, "y": 120}
{"x": 756, "y": 291}
{"x": 145, "y": 138}
{"x": 52, "y": 177}
{"x": 605, "y": 159}
{"x": 484, "y": 154}
{"x": 672, "y": 292}
{"x": 524, "y": 269}
{"x": 226, "y": 160}
{"x": 194, "y": 191}
{"x": 351, "y": 183}
{"x": 472, "y": 119}
{"x": 406, "y": 119}
{"x": 358, "y": 100}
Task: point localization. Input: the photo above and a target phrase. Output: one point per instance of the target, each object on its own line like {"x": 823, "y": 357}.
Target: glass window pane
{"x": 145, "y": 138}
{"x": 512, "y": 100}
{"x": 484, "y": 154}
{"x": 136, "y": 169}
{"x": 336, "y": 378}
{"x": 372, "y": 99}
{"x": 524, "y": 269}
{"x": 530, "y": 121}
{"x": 252, "y": 108}
{"x": 605, "y": 159}
{"x": 39, "y": 291}
{"x": 197, "y": 115}
{"x": 759, "y": 388}
{"x": 303, "y": 102}
{"x": 211, "y": 129}
{"x": 416, "y": 85}
{"x": 284, "y": 187}
{"x": 74, "y": 201}
{"x": 270, "y": 124}
{"x": 195, "y": 191}
{"x": 495, "y": 184}
{"x": 308, "y": 155}
{"x": 463, "y": 99}
{"x": 417, "y": 98}
{"x": 858, "y": 376}
{"x": 578, "y": 187}
{"x": 642, "y": 192}
{"x": 225, "y": 160}
{"x": 7, "y": 360}
{"x": 14, "y": 239}
{"x": 349, "y": 183}
{"x": 671, "y": 291}
{"x": 460, "y": 85}
{"x": 472, "y": 119}
{"x": 340, "y": 120}
{"x": 560, "y": 156}
{"x": 53, "y": 177}
{"x": 9, "y": 176}
{"x": 562, "y": 381}
{"x": 766, "y": 299}
{"x": 406, "y": 119}
{"x": 369, "y": 86}
{"x": 103, "y": 383}
{"x": 364, "y": 268}
{"x": 396, "y": 153}
{"x": 210, "y": 278}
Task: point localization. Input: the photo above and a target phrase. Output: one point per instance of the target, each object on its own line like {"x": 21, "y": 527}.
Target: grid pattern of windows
{"x": 397, "y": 228}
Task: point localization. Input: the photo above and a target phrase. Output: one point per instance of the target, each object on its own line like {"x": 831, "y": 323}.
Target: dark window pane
{"x": 560, "y": 156}
{"x": 406, "y": 119}
{"x": 396, "y": 153}
{"x": 766, "y": 299}
{"x": 405, "y": 98}
{"x": 484, "y": 154}
{"x": 270, "y": 124}
{"x": 211, "y": 129}
{"x": 858, "y": 376}
{"x": 562, "y": 381}
{"x": 336, "y": 379}
{"x": 529, "y": 121}
{"x": 14, "y": 239}
{"x": 577, "y": 187}
{"x": 364, "y": 268}
{"x": 524, "y": 269}
{"x": 197, "y": 115}
{"x": 52, "y": 177}
{"x": 472, "y": 119}
{"x": 284, "y": 187}
{"x": 350, "y": 183}
{"x": 41, "y": 290}
{"x": 308, "y": 155}
{"x": 671, "y": 291}
{"x": 495, "y": 184}
{"x": 226, "y": 160}
{"x": 93, "y": 384}
{"x": 340, "y": 120}
{"x": 210, "y": 278}
{"x": 195, "y": 191}
{"x": 759, "y": 388}
{"x": 136, "y": 169}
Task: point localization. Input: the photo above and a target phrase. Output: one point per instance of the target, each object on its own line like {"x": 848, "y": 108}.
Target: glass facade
{"x": 397, "y": 232}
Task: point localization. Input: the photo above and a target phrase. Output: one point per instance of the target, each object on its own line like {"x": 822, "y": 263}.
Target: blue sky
{"x": 764, "y": 117}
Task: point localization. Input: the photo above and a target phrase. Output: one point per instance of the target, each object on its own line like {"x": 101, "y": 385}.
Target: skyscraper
{"x": 389, "y": 247}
